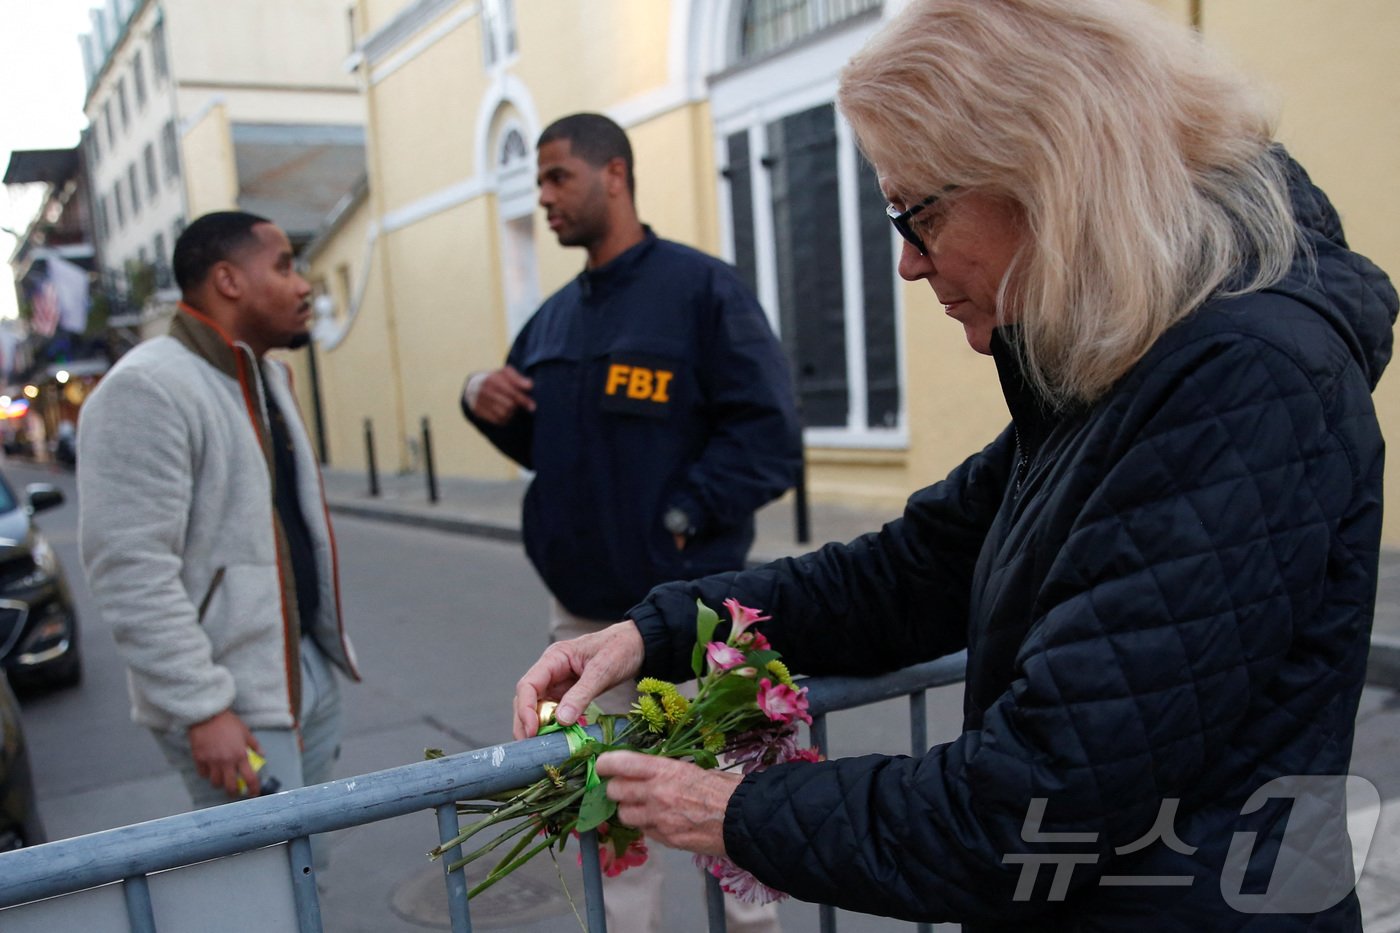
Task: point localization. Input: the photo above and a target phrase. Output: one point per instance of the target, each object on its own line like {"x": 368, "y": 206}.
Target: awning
{"x": 296, "y": 174}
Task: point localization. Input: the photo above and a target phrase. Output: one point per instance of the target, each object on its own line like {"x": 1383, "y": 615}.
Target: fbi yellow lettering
{"x": 639, "y": 382}
{"x": 639, "y": 386}
{"x": 663, "y": 379}
{"x": 617, "y": 377}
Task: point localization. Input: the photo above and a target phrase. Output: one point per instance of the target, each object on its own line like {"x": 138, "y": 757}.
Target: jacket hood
{"x": 1346, "y": 288}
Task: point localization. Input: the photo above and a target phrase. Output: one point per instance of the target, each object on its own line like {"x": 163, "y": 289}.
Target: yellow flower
{"x": 779, "y": 670}
{"x": 652, "y": 712}
{"x": 676, "y": 706}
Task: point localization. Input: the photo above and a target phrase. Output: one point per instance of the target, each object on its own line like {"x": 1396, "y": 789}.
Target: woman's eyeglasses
{"x": 902, "y": 219}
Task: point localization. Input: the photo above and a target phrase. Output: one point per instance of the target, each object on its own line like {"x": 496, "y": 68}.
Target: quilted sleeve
{"x": 879, "y": 603}
{"x": 1169, "y": 625}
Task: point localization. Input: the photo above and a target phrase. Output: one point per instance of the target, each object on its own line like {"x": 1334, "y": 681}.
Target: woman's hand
{"x": 574, "y": 672}
{"x": 673, "y": 802}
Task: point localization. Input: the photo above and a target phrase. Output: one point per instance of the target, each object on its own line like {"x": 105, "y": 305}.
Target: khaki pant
{"x": 293, "y": 762}
{"x": 633, "y": 898}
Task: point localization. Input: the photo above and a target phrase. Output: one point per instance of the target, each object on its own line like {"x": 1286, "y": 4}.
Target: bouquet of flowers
{"x": 745, "y": 711}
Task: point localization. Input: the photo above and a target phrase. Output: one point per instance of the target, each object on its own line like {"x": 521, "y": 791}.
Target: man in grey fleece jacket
{"x": 203, "y": 524}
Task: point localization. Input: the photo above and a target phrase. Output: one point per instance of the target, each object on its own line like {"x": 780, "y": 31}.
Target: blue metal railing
{"x": 130, "y": 854}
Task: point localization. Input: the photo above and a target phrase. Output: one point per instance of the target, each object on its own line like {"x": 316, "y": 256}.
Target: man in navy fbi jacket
{"x": 654, "y": 404}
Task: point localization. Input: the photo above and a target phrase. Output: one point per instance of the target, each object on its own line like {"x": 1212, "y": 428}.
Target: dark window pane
{"x": 158, "y": 60}
{"x": 169, "y": 149}
{"x": 807, "y": 235}
{"x": 152, "y": 180}
{"x": 138, "y": 76}
{"x": 877, "y": 276}
{"x": 740, "y": 177}
{"x": 133, "y": 190}
{"x": 765, "y": 26}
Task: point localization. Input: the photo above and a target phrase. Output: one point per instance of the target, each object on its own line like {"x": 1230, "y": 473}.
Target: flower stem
{"x": 500, "y": 871}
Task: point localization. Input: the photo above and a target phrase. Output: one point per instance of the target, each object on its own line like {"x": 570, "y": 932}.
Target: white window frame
{"x": 515, "y": 200}
{"x": 748, "y": 99}
{"x": 498, "y": 23}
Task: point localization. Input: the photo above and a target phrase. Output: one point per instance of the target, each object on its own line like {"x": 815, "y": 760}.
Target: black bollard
{"x": 369, "y": 459}
{"x": 428, "y": 461}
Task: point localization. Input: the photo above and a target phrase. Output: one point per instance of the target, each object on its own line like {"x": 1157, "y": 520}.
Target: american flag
{"x": 45, "y": 303}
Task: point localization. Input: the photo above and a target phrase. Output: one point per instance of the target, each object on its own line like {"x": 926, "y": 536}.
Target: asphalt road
{"x": 444, "y": 624}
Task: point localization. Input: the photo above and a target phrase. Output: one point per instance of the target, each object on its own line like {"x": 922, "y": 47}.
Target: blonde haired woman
{"x": 1163, "y": 569}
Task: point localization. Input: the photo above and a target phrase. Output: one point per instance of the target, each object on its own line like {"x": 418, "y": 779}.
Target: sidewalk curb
{"x": 1383, "y": 666}
{"x": 1382, "y": 669}
{"x": 457, "y": 524}
{"x": 454, "y": 524}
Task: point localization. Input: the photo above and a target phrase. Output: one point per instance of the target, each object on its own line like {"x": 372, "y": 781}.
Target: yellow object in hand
{"x": 257, "y": 761}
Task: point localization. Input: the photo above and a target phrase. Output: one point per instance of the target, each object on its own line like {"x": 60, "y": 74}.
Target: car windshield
{"x": 7, "y": 498}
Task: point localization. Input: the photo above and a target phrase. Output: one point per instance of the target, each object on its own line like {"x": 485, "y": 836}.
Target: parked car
{"x": 19, "y": 817}
{"x": 38, "y": 625}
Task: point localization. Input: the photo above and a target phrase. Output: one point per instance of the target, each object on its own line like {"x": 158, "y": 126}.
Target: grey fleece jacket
{"x": 183, "y": 549}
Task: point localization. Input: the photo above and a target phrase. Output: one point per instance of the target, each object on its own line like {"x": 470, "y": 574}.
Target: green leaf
{"x": 430, "y": 753}
{"x": 595, "y": 808}
{"x": 760, "y": 659}
{"x": 704, "y": 759}
{"x": 728, "y": 693}
{"x": 705, "y": 624}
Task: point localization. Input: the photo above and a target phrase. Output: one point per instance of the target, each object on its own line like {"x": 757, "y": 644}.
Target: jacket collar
{"x": 207, "y": 340}
{"x": 1032, "y": 415}
{"x": 617, "y": 270}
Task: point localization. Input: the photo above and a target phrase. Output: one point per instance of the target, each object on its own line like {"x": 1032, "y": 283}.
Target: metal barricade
{"x": 128, "y": 870}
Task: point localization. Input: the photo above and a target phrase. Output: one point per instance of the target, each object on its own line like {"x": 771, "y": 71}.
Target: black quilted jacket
{"x": 1166, "y": 600}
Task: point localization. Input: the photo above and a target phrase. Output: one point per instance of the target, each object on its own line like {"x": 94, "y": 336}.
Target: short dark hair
{"x": 593, "y": 138}
{"x": 209, "y": 240}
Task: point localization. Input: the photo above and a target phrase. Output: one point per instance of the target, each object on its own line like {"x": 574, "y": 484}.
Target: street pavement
{"x": 446, "y": 613}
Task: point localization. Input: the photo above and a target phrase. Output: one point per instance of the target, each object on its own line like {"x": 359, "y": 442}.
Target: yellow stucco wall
{"x": 425, "y": 119}
{"x": 447, "y": 303}
{"x": 1333, "y": 68}
{"x": 591, "y": 54}
{"x": 354, "y": 375}
{"x": 206, "y": 152}
{"x": 1337, "y": 84}
{"x": 284, "y": 106}
{"x": 303, "y": 43}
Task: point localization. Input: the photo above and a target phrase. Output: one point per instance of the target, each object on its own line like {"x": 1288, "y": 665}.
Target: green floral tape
{"x": 577, "y": 739}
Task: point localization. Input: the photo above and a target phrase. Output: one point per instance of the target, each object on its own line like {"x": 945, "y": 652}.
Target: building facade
{"x": 196, "y": 106}
{"x": 739, "y": 151}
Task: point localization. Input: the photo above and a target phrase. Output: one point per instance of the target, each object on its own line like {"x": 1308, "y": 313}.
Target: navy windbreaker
{"x": 1166, "y": 599}
{"x": 658, "y": 383}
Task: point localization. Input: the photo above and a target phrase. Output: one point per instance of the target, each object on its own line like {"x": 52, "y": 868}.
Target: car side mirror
{"x": 42, "y": 496}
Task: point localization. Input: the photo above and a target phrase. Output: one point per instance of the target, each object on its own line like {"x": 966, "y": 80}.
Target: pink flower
{"x": 609, "y": 860}
{"x": 738, "y": 882}
{"x": 741, "y": 617}
{"x": 749, "y": 671}
{"x": 753, "y": 641}
{"x": 782, "y": 703}
{"x": 614, "y": 864}
{"x": 723, "y": 657}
